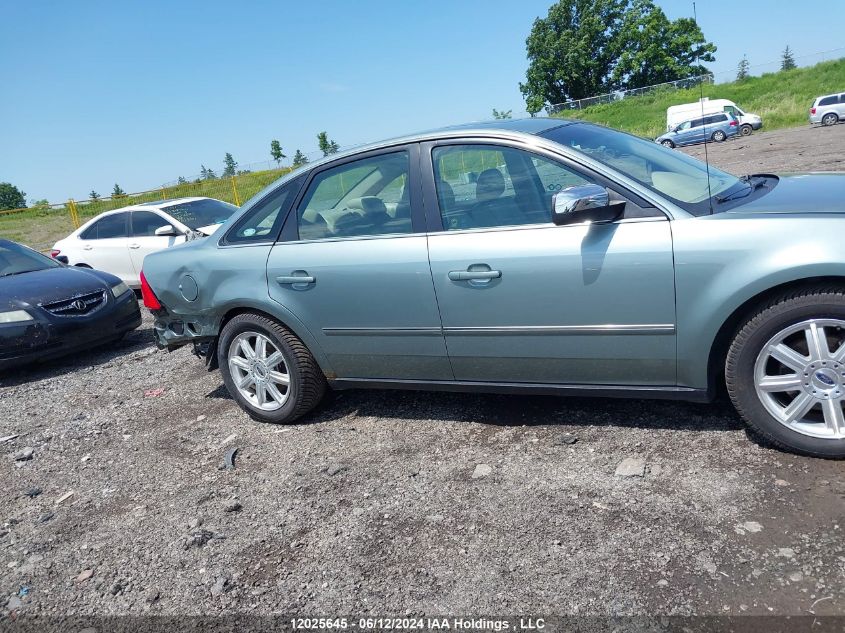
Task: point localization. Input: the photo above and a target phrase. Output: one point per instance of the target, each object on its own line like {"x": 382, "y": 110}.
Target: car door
{"x": 696, "y": 132}
{"x": 104, "y": 246}
{"x": 523, "y": 300}
{"x": 683, "y": 133}
{"x": 143, "y": 239}
{"x": 353, "y": 267}
{"x": 840, "y": 107}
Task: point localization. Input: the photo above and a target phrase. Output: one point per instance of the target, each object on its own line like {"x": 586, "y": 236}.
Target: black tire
{"x": 746, "y": 130}
{"x": 830, "y": 119}
{"x": 307, "y": 383}
{"x": 766, "y": 322}
{"x": 668, "y": 143}
{"x": 719, "y": 136}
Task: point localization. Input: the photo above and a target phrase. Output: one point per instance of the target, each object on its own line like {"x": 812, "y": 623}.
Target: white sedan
{"x": 117, "y": 241}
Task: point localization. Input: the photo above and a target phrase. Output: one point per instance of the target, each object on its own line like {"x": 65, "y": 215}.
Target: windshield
{"x": 671, "y": 173}
{"x": 16, "y": 259}
{"x": 199, "y": 213}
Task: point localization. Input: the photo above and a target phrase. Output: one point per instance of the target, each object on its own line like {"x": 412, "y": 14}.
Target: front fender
{"x": 723, "y": 262}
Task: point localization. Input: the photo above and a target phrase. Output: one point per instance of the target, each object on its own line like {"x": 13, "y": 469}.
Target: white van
{"x": 675, "y": 115}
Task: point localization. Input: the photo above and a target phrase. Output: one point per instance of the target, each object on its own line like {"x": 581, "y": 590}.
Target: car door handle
{"x": 295, "y": 279}
{"x": 87, "y": 247}
{"x": 470, "y": 275}
{"x": 134, "y": 246}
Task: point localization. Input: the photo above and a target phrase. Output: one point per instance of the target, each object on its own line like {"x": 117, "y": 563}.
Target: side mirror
{"x": 167, "y": 231}
{"x": 63, "y": 259}
{"x": 585, "y": 203}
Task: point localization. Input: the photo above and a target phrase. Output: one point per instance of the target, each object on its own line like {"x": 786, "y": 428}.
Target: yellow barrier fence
{"x": 42, "y": 225}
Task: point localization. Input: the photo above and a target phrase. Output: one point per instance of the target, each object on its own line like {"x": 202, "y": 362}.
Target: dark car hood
{"x": 46, "y": 286}
{"x": 801, "y": 193}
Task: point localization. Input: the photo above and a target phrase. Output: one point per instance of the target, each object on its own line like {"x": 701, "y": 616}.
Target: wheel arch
{"x": 285, "y": 318}
{"x": 731, "y": 325}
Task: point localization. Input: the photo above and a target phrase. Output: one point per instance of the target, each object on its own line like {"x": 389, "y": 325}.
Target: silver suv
{"x": 828, "y": 110}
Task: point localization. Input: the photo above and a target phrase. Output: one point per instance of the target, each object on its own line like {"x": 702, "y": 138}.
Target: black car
{"x": 48, "y": 309}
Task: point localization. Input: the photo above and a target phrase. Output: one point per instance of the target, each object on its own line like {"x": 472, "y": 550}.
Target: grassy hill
{"x": 783, "y": 100}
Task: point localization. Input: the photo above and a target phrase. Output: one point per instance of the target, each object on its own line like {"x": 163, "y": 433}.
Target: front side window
{"x": 482, "y": 186}
{"x": 145, "y": 223}
{"x": 363, "y": 197}
{"x": 110, "y": 226}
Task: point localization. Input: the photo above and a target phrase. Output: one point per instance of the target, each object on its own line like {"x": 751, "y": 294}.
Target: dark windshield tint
{"x": 199, "y": 213}
{"x": 674, "y": 175}
{"x": 15, "y": 259}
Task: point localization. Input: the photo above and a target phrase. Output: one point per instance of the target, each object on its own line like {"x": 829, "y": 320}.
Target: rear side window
{"x": 363, "y": 197}
{"x": 145, "y": 223}
{"x": 263, "y": 222}
{"x": 110, "y": 226}
{"x": 829, "y": 100}
{"x": 717, "y": 118}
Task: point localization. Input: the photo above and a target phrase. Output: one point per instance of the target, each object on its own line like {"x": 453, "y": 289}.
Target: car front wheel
{"x": 268, "y": 370}
{"x": 668, "y": 143}
{"x": 785, "y": 372}
{"x": 746, "y": 130}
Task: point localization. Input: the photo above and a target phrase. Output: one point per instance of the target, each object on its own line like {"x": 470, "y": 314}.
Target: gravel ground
{"x": 385, "y": 503}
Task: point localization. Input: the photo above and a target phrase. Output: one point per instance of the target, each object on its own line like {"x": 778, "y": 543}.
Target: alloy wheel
{"x": 259, "y": 370}
{"x": 799, "y": 376}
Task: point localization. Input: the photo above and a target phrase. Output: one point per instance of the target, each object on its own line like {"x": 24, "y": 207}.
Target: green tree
{"x": 504, "y": 114}
{"x": 117, "y": 192}
{"x": 11, "y": 197}
{"x": 326, "y": 146}
{"x": 276, "y": 151}
{"x": 584, "y": 48}
{"x": 652, "y": 49}
{"x": 299, "y": 159}
{"x": 93, "y": 195}
{"x": 230, "y": 165}
{"x": 181, "y": 181}
{"x": 787, "y": 59}
{"x": 206, "y": 173}
{"x": 742, "y": 69}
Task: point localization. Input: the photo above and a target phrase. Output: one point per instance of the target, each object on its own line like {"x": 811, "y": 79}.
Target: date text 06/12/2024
{"x": 418, "y": 624}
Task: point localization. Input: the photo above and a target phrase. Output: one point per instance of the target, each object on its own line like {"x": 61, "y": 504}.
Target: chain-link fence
{"x": 610, "y": 97}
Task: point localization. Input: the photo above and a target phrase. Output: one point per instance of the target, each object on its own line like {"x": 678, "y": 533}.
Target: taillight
{"x": 812, "y": 110}
{"x": 733, "y": 123}
{"x": 150, "y": 299}
{"x": 54, "y": 253}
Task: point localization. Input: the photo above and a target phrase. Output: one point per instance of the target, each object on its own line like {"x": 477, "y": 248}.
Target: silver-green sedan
{"x": 535, "y": 256}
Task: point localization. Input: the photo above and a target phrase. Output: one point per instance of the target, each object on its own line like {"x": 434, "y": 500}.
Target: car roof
{"x": 505, "y": 127}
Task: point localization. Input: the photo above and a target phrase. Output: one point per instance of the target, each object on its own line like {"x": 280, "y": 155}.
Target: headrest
{"x": 490, "y": 185}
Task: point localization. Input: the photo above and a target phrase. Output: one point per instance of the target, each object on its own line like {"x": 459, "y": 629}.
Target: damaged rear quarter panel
{"x": 228, "y": 279}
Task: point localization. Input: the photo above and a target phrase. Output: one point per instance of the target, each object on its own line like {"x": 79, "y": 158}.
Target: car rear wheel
{"x": 785, "y": 372}
{"x": 668, "y": 143}
{"x": 745, "y": 130}
{"x": 829, "y": 119}
{"x": 719, "y": 136}
{"x": 268, "y": 370}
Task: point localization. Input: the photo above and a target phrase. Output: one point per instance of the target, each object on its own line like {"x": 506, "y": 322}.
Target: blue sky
{"x": 140, "y": 93}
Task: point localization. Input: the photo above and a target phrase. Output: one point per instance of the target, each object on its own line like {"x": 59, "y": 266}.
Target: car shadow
{"x": 516, "y": 410}
{"x": 99, "y": 355}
